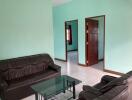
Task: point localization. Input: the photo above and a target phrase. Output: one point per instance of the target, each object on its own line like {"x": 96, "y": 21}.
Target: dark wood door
{"x": 91, "y": 42}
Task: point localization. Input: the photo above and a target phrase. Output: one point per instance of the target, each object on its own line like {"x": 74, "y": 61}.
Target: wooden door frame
{"x": 86, "y": 40}
{"x": 66, "y": 39}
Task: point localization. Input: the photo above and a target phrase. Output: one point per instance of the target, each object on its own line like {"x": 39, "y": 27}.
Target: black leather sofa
{"x": 110, "y": 88}
{"x": 18, "y": 74}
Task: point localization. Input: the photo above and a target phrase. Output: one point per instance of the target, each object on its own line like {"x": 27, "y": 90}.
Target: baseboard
{"x": 84, "y": 65}
{"x": 60, "y": 59}
{"x": 72, "y": 50}
{"x": 101, "y": 60}
{"x": 113, "y": 72}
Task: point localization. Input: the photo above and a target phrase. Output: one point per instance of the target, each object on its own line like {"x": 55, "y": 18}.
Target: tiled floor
{"x": 88, "y": 75}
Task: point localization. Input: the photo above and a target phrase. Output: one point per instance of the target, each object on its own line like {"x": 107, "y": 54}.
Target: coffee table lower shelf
{"x": 49, "y": 88}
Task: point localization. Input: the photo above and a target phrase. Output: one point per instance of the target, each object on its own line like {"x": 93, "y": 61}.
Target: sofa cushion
{"x": 19, "y": 89}
{"x": 31, "y": 79}
{"x": 25, "y": 71}
{"x": 23, "y": 66}
{"x": 116, "y": 82}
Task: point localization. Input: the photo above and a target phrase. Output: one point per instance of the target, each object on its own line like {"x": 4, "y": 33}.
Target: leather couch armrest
{"x": 107, "y": 78}
{"x": 84, "y": 95}
{"x": 91, "y": 90}
{"x": 89, "y": 93}
{"x": 56, "y": 67}
{"x": 3, "y": 87}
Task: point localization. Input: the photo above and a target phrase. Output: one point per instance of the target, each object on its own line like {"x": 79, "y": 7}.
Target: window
{"x": 69, "y": 34}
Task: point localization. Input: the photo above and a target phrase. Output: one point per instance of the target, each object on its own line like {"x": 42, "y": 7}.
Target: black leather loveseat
{"x": 110, "y": 88}
{"x": 18, "y": 74}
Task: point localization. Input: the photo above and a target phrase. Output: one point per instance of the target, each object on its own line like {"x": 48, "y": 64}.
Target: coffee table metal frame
{"x": 70, "y": 86}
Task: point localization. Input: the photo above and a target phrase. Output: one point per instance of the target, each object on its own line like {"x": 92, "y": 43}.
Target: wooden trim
{"x": 77, "y": 44}
{"x": 85, "y": 44}
{"x": 84, "y": 65}
{"x": 113, "y": 72}
{"x": 66, "y": 41}
{"x": 96, "y": 16}
{"x": 104, "y": 38}
{"x": 60, "y": 59}
{"x": 72, "y": 50}
{"x": 72, "y": 20}
{"x": 104, "y": 41}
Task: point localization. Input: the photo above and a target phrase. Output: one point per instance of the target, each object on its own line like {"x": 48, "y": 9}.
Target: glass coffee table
{"x": 49, "y": 88}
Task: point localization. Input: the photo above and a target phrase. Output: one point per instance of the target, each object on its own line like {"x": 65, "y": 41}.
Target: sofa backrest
{"x": 116, "y": 93}
{"x": 122, "y": 88}
{"x": 23, "y": 66}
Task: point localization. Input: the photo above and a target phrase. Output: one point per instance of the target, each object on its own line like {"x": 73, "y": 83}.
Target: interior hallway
{"x": 72, "y": 57}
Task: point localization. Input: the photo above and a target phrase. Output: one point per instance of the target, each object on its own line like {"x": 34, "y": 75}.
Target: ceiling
{"x": 59, "y": 2}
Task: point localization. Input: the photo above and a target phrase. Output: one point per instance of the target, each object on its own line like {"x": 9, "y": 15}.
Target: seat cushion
{"x": 31, "y": 79}
{"x": 99, "y": 85}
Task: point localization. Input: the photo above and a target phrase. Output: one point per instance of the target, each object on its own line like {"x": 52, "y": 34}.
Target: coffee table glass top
{"x": 54, "y": 86}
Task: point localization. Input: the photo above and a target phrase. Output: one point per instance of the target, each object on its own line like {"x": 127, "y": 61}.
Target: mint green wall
{"x": 74, "y": 44}
{"x": 25, "y": 28}
{"x": 118, "y": 35}
{"x": 118, "y": 42}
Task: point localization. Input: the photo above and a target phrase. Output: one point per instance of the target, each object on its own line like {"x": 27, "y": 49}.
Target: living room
{"x": 32, "y": 33}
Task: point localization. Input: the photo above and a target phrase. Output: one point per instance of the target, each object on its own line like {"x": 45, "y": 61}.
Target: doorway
{"x": 95, "y": 40}
{"x": 71, "y": 41}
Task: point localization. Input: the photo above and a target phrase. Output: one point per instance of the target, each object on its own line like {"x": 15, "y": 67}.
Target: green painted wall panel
{"x": 25, "y": 28}
{"x": 118, "y": 42}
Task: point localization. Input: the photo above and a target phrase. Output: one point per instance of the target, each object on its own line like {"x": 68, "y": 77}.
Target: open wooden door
{"x": 91, "y": 41}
